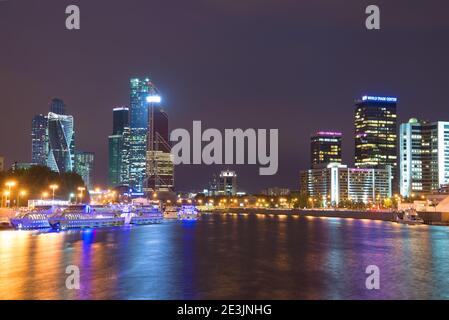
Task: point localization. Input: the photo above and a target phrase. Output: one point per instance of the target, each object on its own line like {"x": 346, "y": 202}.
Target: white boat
{"x": 171, "y": 212}
{"x": 147, "y": 215}
{"x": 84, "y": 217}
{"x": 33, "y": 219}
{"x": 187, "y": 213}
{"x": 410, "y": 217}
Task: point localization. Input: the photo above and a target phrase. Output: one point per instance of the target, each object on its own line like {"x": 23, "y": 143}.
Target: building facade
{"x": 85, "y": 166}
{"x": 138, "y": 112}
{"x": 160, "y": 165}
{"x": 424, "y": 157}
{"x": 227, "y": 183}
{"x": 39, "y": 140}
{"x": 61, "y": 143}
{"x": 57, "y": 106}
{"x": 337, "y": 183}
{"x": 375, "y": 123}
{"x": 117, "y": 154}
{"x": 2, "y": 163}
{"x": 325, "y": 148}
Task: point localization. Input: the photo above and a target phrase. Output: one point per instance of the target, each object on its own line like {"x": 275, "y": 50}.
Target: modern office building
{"x": 138, "y": 113}
{"x": 160, "y": 167}
{"x": 376, "y": 134}
{"x": 57, "y": 106}
{"x": 85, "y": 166}
{"x": 227, "y": 183}
{"x": 120, "y": 128}
{"x": 61, "y": 143}
{"x": 39, "y": 139}
{"x": 336, "y": 183}
{"x": 325, "y": 148}
{"x": 2, "y": 163}
{"x": 424, "y": 157}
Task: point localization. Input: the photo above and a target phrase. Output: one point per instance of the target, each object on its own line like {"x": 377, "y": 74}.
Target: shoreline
{"x": 430, "y": 218}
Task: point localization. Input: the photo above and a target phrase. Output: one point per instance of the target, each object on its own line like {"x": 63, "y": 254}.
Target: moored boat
{"x": 187, "y": 213}
{"x": 84, "y": 217}
{"x": 147, "y": 215}
{"x": 34, "y": 219}
{"x": 410, "y": 217}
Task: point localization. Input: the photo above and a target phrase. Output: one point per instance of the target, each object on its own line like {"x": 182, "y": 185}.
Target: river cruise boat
{"x": 171, "y": 212}
{"x": 33, "y": 219}
{"x": 84, "y": 217}
{"x": 410, "y": 217}
{"x": 187, "y": 213}
{"x": 146, "y": 215}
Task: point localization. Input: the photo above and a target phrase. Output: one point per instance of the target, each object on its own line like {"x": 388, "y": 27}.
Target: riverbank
{"x": 431, "y": 218}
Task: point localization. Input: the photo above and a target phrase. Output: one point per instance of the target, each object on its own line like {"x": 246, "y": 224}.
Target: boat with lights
{"x": 85, "y": 217}
{"x": 33, "y": 219}
{"x": 188, "y": 213}
{"x": 146, "y": 215}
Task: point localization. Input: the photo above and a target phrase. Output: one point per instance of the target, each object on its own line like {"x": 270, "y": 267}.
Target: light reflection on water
{"x": 236, "y": 256}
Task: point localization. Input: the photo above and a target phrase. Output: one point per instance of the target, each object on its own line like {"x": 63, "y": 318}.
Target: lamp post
{"x": 9, "y": 184}
{"x": 22, "y": 193}
{"x": 81, "y": 190}
{"x": 53, "y": 187}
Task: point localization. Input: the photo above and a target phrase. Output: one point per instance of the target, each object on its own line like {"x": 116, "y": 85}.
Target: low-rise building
{"x": 336, "y": 183}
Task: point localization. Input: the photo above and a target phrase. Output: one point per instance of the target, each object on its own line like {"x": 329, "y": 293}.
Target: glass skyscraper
{"x": 84, "y": 166}
{"x": 376, "y": 134}
{"x": 117, "y": 147}
{"x": 138, "y": 112}
{"x": 61, "y": 142}
{"x": 39, "y": 141}
{"x": 57, "y": 106}
{"x": 424, "y": 157}
{"x": 325, "y": 148}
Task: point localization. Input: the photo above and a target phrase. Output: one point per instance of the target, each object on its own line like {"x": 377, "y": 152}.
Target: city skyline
{"x": 231, "y": 82}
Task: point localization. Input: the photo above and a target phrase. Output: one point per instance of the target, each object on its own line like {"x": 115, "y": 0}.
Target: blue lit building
{"x": 118, "y": 148}
{"x": 61, "y": 143}
{"x": 138, "y": 113}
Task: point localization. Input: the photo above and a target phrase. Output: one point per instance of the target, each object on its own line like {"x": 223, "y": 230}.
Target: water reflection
{"x": 235, "y": 256}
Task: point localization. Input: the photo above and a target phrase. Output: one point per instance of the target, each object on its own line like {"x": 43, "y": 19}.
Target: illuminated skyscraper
{"x": 138, "y": 112}
{"x": 84, "y": 166}
{"x": 325, "y": 148}
{"x": 376, "y": 134}
{"x": 57, "y": 106}
{"x": 227, "y": 183}
{"x": 424, "y": 157}
{"x": 160, "y": 168}
{"x": 117, "y": 144}
{"x": 61, "y": 142}
{"x": 39, "y": 140}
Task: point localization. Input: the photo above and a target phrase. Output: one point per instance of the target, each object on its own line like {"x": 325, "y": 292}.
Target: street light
{"x": 9, "y": 184}
{"x": 22, "y": 193}
{"x": 44, "y": 195}
{"x": 81, "y": 190}
{"x": 53, "y": 187}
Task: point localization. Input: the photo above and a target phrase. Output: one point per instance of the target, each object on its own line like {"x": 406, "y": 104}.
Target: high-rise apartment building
{"x": 227, "y": 183}
{"x": 424, "y": 157}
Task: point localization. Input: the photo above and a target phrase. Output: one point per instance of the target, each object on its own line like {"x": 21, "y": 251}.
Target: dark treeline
{"x": 37, "y": 180}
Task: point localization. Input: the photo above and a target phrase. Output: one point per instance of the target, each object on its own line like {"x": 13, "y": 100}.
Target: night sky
{"x": 292, "y": 65}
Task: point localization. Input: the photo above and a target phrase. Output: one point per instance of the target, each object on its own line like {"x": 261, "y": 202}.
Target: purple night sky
{"x": 292, "y": 65}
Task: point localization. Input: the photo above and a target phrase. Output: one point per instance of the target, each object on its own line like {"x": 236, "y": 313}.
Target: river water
{"x": 229, "y": 256}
